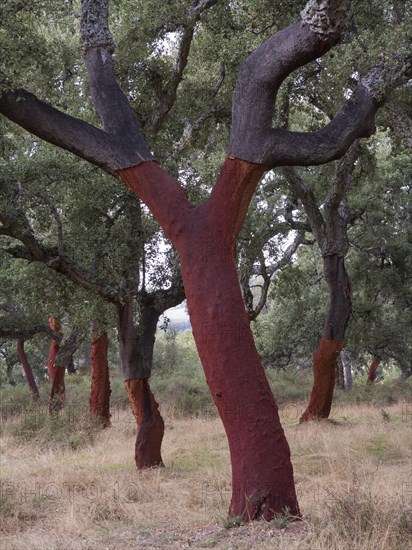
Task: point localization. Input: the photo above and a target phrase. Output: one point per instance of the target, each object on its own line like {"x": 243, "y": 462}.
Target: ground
{"x": 352, "y": 477}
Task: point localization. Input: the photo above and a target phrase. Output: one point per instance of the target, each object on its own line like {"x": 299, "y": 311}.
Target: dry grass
{"x": 352, "y": 477}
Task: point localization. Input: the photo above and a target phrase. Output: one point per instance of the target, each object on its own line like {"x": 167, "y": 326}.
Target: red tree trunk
{"x": 372, "y": 370}
{"x": 262, "y": 473}
{"x": 57, "y": 393}
{"x": 100, "y": 391}
{"x": 136, "y": 352}
{"x": 325, "y": 358}
{"x": 27, "y": 369}
{"x": 151, "y": 426}
{"x": 324, "y": 366}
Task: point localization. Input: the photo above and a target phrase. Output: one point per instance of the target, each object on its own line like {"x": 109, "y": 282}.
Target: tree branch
{"x": 253, "y": 139}
{"x": 169, "y": 92}
{"x": 309, "y": 201}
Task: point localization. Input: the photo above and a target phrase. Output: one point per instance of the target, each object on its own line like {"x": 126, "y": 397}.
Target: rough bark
{"x": 100, "y": 387}
{"x": 136, "y": 353}
{"x": 372, "y": 369}
{"x": 205, "y": 238}
{"x": 325, "y": 358}
{"x": 150, "y": 422}
{"x": 28, "y": 372}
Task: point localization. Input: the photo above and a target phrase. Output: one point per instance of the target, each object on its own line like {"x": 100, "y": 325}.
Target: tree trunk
{"x": 150, "y": 423}
{"x": 262, "y": 473}
{"x": 340, "y": 375}
{"x": 325, "y": 358}
{"x": 136, "y": 353}
{"x": 348, "y": 369}
{"x": 372, "y": 369}
{"x": 100, "y": 391}
{"x": 27, "y": 369}
{"x": 56, "y": 374}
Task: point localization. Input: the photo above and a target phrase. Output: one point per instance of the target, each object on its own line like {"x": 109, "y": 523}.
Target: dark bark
{"x": 372, "y": 369}
{"x": 150, "y": 422}
{"x": 31, "y": 381}
{"x": 100, "y": 391}
{"x": 325, "y": 358}
{"x": 136, "y": 353}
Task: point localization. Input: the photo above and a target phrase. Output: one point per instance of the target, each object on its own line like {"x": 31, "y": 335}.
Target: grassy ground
{"x": 69, "y": 485}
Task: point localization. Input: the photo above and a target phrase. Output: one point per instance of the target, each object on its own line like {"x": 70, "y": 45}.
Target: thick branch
{"x": 67, "y": 132}
{"x": 253, "y": 139}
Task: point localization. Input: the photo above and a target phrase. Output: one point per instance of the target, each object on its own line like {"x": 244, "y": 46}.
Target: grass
{"x": 352, "y": 480}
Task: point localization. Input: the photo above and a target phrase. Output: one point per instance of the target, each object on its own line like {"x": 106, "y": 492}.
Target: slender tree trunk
{"x": 262, "y": 473}
{"x": 348, "y": 369}
{"x": 56, "y": 374}
{"x": 372, "y": 369}
{"x": 340, "y": 374}
{"x": 325, "y": 358}
{"x": 136, "y": 352}
{"x": 100, "y": 391}
{"x": 27, "y": 369}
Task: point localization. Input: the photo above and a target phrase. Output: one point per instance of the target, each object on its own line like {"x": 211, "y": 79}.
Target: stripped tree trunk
{"x": 27, "y": 369}
{"x": 205, "y": 238}
{"x": 136, "y": 353}
{"x": 100, "y": 391}
{"x": 56, "y": 375}
{"x": 372, "y": 369}
{"x": 325, "y": 358}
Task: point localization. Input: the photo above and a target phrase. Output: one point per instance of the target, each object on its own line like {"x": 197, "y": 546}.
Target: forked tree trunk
{"x": 262, "y": 473}
{"x": 56, "y": 374}
{"x": 28, "y": 372}
{"x": 100, "y": 391}
{"x": 372, "y": 369}
{"x": 325, "y": 358}
{"x": 136, "y": 353}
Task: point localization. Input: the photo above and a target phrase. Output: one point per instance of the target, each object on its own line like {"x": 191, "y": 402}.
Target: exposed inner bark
{"x": 150, "y": 423}
{"x": 324, "y": 369}
{"x": 372, "y": 370}
{"x": 262, "y": 473}
{"x": 136, "y": 352}
{"x": 27, "y": 369}
{"x": 100, "y": 387}
{"x": 56, "y": 374}
{"x": 325, "y": 358}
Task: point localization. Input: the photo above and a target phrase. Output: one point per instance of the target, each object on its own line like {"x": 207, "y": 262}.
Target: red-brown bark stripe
{"x": 324, "y": 370}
